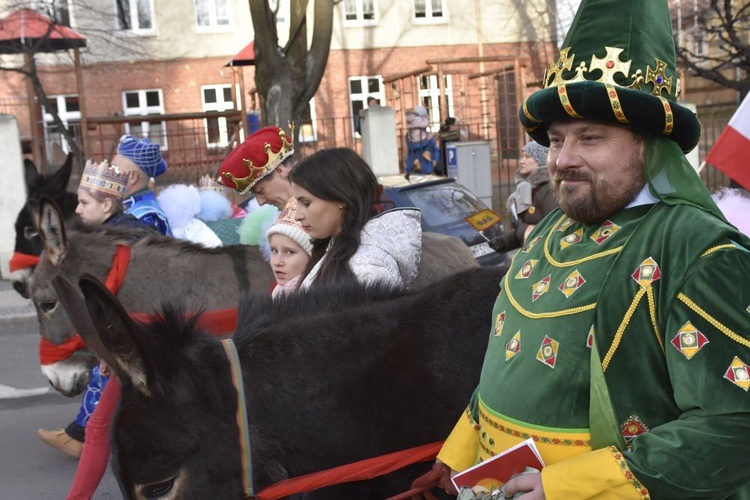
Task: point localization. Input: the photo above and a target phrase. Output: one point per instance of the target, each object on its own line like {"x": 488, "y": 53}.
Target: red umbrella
{"x": 27, "y": 29}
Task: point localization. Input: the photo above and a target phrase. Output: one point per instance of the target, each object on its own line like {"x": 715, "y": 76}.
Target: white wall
{"x": 12, "y": 189}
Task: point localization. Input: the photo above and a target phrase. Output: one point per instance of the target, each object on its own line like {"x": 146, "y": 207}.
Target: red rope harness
{"x": 358, "y": 471}
{"x": 22, "y": 261}
{"x": 50, "y": 353}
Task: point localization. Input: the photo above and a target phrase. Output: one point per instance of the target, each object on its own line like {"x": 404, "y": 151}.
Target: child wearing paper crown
{"x": 291, "y": 248}
{"x": 100, "y": 196}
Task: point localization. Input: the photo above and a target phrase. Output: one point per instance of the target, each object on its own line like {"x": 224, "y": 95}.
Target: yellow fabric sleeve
{"x": 599, "y": 474}
{"x": 459, "y": 452}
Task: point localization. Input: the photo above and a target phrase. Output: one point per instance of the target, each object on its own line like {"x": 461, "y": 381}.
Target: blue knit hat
{"x": 143, "y": 153}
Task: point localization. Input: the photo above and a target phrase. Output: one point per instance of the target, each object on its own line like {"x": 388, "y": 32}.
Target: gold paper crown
{"x": 256, "y": 173}
{"x": 206, "y": 183}
{"x": 610, "y": 65}
{"x": 104, "y": 179}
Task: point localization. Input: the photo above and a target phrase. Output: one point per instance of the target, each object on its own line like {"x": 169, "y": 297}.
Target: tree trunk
{"x": 287, "y": 78}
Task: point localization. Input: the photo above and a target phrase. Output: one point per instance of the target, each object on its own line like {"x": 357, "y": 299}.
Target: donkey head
{"x": 175, "y": 434}
{"x": 28, "y": 241}
{"x": 53, "y": 323}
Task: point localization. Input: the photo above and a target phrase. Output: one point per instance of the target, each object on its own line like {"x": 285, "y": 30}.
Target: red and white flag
{"x": 731, "y": 153}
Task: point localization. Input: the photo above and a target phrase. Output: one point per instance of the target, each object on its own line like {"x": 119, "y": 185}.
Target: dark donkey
{"x": 332, "y": 376}
{"x": 162, "y": 267}
{"x": 29, "y": 245}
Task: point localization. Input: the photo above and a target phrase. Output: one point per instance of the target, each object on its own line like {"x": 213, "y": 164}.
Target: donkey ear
{"x": 58, "y": 182}
{"x": 127, "y": 346}
{"x": 52, "y": 230}
{"x": 31, "y": 176}
{"x": 75, "y": 306}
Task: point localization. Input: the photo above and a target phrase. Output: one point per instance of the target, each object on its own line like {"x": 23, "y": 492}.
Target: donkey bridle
{"x": 242, "y": 422}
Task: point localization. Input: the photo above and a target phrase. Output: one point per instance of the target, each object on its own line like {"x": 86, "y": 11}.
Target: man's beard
{"x": 605, "y": 196}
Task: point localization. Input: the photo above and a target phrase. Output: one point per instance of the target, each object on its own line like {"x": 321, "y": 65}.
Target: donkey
{"x": 161, "y": 267}
{"x": 28, "y": 245}
{"x": 332, "y": 376}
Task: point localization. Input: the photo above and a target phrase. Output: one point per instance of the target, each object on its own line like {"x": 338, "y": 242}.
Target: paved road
{"x": 29, "y": 469}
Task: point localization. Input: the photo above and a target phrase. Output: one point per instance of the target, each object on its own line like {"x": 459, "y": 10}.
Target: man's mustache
{"x": 571, "y": 175}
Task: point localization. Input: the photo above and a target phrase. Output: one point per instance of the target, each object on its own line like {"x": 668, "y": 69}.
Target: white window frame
{"x": 429, "y": 18}
{"x": 219, "y": 106}
{"x": 144, "y": 128}
{"x": 308, "y": 132}
{"x": 67, "y": 117}
{"x": 360, "y": 20}
{"x": 213, "y": 25}
{"x": 362, "y": 96}
{"x": 283, "y": 19}
{"x": 431, "y": 95}
{"x": 698, "y": 41}
{"x": 55, "y": 9}
{"x": 135, "y": 28}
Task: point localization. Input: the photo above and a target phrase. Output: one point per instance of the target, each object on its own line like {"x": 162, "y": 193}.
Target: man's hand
{"x": 497, "y": 244}
{"x": 530, "y": 484}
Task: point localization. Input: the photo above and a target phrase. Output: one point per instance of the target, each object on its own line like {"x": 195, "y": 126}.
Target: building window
{"x": 66, "y": 107}
{"x": 360, "y": 12}
{"x": 144, "y": 103}
{"x": 282, "y": 12}
{"x": 308, "y": 126}
{"x": 134, "y": 15}
{"x": 211, "y": 14}
{"x": 429, "y": 97}
{"x": 215, "y": 99}
{"x": 57, "y": 10}
{"x": 509, "y": 128}
{"x": 429, "y": 10}
{"x": 360, "y": 89}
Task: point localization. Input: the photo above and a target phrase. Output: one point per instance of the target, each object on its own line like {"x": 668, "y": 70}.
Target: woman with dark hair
{"x": 336, "y": 193}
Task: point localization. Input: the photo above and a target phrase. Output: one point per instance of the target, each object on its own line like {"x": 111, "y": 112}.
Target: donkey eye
{"x": 48, "y": 306}
{"x": 157, "y": 490}
{"x": 30, "y": 233}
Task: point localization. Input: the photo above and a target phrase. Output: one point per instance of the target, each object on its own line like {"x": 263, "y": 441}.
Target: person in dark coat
{"x": 532, "y": 199}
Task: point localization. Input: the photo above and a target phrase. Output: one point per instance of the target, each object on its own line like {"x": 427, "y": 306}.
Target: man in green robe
{"x": 620, "y": 339}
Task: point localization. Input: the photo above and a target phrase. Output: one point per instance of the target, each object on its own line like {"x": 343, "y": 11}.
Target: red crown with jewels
{"x": 255, "y": 158}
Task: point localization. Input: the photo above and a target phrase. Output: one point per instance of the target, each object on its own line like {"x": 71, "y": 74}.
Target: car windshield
{"x": 444, "y": 204}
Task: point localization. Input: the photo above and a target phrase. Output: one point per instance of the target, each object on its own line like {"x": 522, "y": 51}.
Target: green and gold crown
{"x": 617, "y": 65}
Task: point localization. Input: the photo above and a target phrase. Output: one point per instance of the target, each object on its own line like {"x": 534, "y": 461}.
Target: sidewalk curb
{"x": 15, "y": 318}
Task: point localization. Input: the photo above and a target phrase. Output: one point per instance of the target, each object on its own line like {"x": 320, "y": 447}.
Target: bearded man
{"x": 620, "y": 340}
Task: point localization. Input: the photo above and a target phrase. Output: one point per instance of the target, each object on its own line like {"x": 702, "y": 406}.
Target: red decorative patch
{"x": 647, "y": 272}
{"x": 526, "y": 269}
{"x": 604, "y": 232}
{"x": 531, "y": 244}
{"x": 540, "y": 288}
{"x": 689, "y": 340}
{"x": 547, "y": 353}
{"x": 513, "y": 347}
{"x": 572, "y": 238}
{"x": 632, "y": 427}
{"x": 572, "y": 283}
{"x": 499, "y": 323}
{"x": 738, "y": 373}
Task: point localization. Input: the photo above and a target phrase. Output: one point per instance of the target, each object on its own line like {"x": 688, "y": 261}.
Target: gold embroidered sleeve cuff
{"x": 600, "y": 474}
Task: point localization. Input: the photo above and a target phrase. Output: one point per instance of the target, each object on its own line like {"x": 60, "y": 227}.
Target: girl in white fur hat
{"x": 291, "y": 248}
